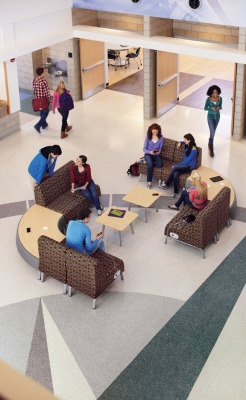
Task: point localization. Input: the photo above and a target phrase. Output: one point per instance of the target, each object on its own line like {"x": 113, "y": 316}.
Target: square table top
{"x": 114, "y": 222}
{"x": 141, "y": 196}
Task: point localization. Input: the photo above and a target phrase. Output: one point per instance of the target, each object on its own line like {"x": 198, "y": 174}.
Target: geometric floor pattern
{"x": 175, "y": 327}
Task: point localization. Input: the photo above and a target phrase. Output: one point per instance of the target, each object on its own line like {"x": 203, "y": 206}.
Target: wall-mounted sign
{"x": 222, "y": 12}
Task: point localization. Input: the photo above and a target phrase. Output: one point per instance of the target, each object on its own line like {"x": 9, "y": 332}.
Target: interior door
{"x": 166, "y": 81}
{"x": 92, "y": 67}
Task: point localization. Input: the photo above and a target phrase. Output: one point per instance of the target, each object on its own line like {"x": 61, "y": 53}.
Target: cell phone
{"x": 100, "y": 233}
{"x": 155, "y": 151}
{"x": 28, "y": 230}
{"x": 155, "y": 194}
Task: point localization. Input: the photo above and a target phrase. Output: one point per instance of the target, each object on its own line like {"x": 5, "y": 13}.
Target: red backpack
{"x": 133, "y": 169}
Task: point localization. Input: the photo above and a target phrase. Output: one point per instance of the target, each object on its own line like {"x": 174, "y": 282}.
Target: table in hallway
{"x": 118, "y": 47}
{"x": 117, "y": 223}
{"x": 142, "y": 197}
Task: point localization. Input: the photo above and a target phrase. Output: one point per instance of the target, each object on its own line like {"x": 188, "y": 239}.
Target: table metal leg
{"x": 131, "y": 227}
{"x": 156, "y": 206}
{"x": 146, "y": 219}
{"x": 103, "y": 228}
{"x": 129, "y": 207}
{"x": 120, "y": 237}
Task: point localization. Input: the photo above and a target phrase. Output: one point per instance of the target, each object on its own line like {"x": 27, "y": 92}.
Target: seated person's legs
{"x": 149, "y": 162}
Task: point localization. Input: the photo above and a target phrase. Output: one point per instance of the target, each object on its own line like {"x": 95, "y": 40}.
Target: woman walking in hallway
{"x": 213, "y": 105}
{"x": 61, "y": 88}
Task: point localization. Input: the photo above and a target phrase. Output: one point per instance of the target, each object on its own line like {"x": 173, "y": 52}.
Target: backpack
{"x": 133, "y": 169}
{"x": 66, "y": 101}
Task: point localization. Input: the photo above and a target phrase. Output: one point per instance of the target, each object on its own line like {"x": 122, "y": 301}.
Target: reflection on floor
{"x": 133, "y": 84}
{"x": 171, "y": 316}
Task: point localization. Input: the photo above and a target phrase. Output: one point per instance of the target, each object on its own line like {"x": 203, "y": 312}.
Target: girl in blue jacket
{"x": 187, "y": 165}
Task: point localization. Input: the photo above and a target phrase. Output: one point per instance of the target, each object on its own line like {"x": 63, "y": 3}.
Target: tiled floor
{"x": 85, "y": 351}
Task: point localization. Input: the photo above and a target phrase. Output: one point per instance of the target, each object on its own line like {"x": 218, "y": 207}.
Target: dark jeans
{"x": 152, "y": 161}
{"x": 91, "y": 194}
{"x": 42, "y": 122}
{"x": 64, "y": 115}
{"x": 174, "y": 176}
{"x": 185, "y": 199}
{"x": 212, "y": 124}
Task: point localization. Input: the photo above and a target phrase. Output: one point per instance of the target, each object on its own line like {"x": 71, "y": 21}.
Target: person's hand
{"x": 83, "y": 187}
{"x": 99, "y": 236}
{"x": 151, "y": 152}
{"x": 178, "y": 145}
{"x": 214, "y": 108}
{"x": 72, "y": 190}
{"x": 35, "y": 184}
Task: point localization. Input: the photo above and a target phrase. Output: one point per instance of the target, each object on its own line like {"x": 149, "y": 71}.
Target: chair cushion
{"x": 52, "y": 258}
{"x": 168, "y": 148}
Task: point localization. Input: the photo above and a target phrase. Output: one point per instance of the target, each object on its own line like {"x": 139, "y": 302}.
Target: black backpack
{"x": 66, "y": 101}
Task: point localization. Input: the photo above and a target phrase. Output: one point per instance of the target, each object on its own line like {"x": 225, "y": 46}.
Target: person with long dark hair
{"x": 152, "y": 149}
{"x": 187, "y": 165}
{"x": 213, "y": 105}
{"x": 80, "y": 174}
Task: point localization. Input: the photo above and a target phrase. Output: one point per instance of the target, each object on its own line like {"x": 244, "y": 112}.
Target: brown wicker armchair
{"x": 52, "y": 260}
{"x": 92, "y": 274}
{"x": 206, "y": 225}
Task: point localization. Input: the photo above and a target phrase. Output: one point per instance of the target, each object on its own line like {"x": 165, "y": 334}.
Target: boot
{"x": 63, "y": 135}
{"x": 211, "y": 149}
{"x": 68, "y": 128}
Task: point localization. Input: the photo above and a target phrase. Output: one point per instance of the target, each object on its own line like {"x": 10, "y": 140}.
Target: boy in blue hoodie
{"x": 43, "y": 163}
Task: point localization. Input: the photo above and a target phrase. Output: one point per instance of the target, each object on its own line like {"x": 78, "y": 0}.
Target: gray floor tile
{"x": 11, "y": 209}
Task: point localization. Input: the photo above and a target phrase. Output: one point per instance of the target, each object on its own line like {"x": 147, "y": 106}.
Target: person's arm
{"x": 207, "y": 107}
{"x": 88, "y": 174}
{"x": 192, "y": 195}
{"x": 220, "y": 105}
{"x": 52, "y": 168}
{"x": 180, "y": 144}
{"x": 46, "y": 91}
{"x": 188, "y": 159}
{"x": 89, "y": 245}
{"x": 145, "y": 148}
{"x": 41, "y": 171}
{"x": 54, "y": 101}
{"x": 72, "y": 177}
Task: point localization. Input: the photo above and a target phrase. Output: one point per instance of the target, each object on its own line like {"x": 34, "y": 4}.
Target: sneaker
{"x": 37, "y": 128}
{"x": 173, "y": 196}
{"x": 102, "y": 207}
{"x": 45, "y": 126}
{"x": 99, "y": 212}
{"x": 149, "y": 186}
{"x": 163, "y": 185}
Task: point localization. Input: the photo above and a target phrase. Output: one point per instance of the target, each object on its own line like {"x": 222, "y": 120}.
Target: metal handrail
{"x": 84, "y": 69}
{"x": 167, "y": 80}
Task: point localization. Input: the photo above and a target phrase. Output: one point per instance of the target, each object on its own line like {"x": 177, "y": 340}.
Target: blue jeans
{"x": 42, "y": 122}
{"x": 185, "y": 199}
{"x": 174, "y": 176}
{"x": 212, "y": 124}
{"x": 100, "y": 245}
{"x": 152, "y": 161}
{"x": 91, "y": 194}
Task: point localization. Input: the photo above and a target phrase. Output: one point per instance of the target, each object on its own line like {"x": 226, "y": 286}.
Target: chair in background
{"x": 133, "y": 55}
{"x": 112, "y": 55}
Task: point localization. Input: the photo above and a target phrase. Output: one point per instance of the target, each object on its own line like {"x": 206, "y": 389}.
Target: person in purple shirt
{"x": 152, "y": 149}
{"x": 187, "y": 165}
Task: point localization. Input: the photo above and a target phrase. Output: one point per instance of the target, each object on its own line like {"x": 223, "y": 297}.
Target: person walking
{"x": 61, "y": 88}
{"x": 213, "y": 105}
{"x": 41, "y": 89}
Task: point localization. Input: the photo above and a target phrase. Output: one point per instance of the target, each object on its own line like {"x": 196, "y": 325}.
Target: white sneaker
{"x": 173, "y": 196}
{"x": 99, "y": 212}
{"x": 163, "y": 185}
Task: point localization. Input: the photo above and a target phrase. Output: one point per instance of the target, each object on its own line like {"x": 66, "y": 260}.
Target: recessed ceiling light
{"x": 195, "y": 4}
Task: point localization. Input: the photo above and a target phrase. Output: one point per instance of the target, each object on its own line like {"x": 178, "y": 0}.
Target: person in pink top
{"x": 196, "y": 197}
{"x": 61, "y": 87}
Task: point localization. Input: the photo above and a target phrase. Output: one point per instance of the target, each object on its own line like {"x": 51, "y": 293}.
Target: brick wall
{"x": 121, "y": 21}
{"x": 84, "y": 17}
{"x": 158, "y": 27}
{"x": 239, "y": 127}
{"x": 198, "y": 30}
{"x": 9, "y": 124}
{"x": 25, "y": 71}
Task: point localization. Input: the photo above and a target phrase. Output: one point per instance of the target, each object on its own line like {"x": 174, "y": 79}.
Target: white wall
{"x": 13, "y": 11}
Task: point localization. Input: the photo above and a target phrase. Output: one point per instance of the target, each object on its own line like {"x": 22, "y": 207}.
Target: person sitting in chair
{"x": 78, "y": 235}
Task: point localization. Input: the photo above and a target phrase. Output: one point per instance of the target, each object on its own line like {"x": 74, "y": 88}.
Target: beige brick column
{"x": 152, "y": 27}
{"x": 239, "y": 126}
